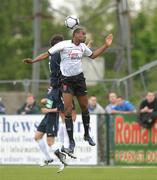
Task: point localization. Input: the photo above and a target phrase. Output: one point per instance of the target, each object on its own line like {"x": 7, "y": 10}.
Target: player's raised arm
{"x": 38, "y": 58}
{"x": 99, "y": 51}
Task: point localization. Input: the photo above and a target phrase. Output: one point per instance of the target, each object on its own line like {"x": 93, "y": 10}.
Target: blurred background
{"x": 128, "y": 67}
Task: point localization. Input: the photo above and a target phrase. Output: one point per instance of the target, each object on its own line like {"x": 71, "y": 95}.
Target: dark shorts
{"x": 56, "y": 96}
{"x": 49, "y": 124}
{"x": 75, "y": 85}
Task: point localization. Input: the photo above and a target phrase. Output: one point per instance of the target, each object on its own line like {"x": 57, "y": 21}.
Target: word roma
{"x": 133, "y": 133}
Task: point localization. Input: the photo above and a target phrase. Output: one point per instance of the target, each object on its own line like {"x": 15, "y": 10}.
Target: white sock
{"x": 61, "y": 133}
{"x": 66, "y": 137}
{"x": 55, "y": 146}
{"x": 44, "y": 149}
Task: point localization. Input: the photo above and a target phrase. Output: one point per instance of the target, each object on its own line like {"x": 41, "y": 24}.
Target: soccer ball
{"x": 71, "y": 22}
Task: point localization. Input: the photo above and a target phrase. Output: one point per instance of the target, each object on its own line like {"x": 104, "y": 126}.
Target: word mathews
{"x": 26, "y": 123}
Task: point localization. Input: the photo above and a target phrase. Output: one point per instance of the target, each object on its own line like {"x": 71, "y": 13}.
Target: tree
{"x": 144, "y": 35}
{"x": 17, "y": 38}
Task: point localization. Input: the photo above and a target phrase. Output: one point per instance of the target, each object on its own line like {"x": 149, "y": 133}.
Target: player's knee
{"x": 84, "y": 107}
{"x": 50, "y": 144}
{"x": 85, "y": 113}
{"x": 50, "y": 141}
{"x": 67, "y": 108}
{"x": 84, "y": 110}
{"x": 36, "y": 138}
{"x": 68, "y": 112}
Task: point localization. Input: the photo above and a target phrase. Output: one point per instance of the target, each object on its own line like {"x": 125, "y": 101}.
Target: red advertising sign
{"x": 134, "y": 145}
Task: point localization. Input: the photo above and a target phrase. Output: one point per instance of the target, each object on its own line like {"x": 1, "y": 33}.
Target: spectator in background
{"x": 123, "y": 106}
{"x": 30, "y": 106}
{"x": 2, "y": 107}
{"x": 148, "y": 110}
{"x": 149, "y": 104}
{"x": 112, "y": 97}
{"x": 94, "y": 107}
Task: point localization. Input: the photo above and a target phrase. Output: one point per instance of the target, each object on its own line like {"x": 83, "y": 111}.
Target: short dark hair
{"x": 120, "y": 97}
{"x": 55, "y": 39}
{"x": 78, "y": 29}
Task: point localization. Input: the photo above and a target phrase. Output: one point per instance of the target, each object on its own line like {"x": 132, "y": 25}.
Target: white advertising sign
{"x": 17, "y": 144}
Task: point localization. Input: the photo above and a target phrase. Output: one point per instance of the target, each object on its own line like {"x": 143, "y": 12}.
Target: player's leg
{"x": 63, "y": 137}
{"x": 61, "y": 168}
{"x": 66, "y": 138}
{"x": 60, "y": 107}
{"x": 81, "y": 94}
{"x": 39, "y": 139}
{"x": 83, "y": 102}
{"x": 51, "y": 130}
{"x": 68, "y": 119}
{"x": 61, "y": 133}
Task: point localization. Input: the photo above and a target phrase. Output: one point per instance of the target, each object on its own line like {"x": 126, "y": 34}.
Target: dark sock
{"x": 69, "y": 127}
{"x": 86, "y": 120}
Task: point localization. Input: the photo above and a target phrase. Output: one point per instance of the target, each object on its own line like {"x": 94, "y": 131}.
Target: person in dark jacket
{"x": 30, "y": 106}
{"x": 148, "y": 110}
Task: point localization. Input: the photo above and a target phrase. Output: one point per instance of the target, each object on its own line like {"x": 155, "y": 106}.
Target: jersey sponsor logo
{"x": 75, "y": 54}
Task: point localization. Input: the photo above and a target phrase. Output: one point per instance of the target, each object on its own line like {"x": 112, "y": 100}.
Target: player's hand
{"x": 27, "y": 61}
{"x": 45, "y": 110}
{"x": 108, "y": 40}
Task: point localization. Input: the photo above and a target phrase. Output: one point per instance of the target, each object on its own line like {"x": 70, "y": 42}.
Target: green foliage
{"x": 17, "y": 40}
{"x": 144, "y": 38}
{"x": 99, "y": 91}
{"x": 16, "y": 31}
{"x": 97, "y": 18}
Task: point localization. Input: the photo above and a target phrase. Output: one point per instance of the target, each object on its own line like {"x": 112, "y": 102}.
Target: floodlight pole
{"x": 37, "y": 45}
{"x": 124, "y": 37}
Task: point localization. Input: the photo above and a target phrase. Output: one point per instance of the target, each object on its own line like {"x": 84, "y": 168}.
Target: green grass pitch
{"x": 77, "y": 173}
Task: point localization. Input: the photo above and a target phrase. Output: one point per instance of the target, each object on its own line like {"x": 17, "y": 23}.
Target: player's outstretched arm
{"x": 47, "y": 110}
{"x": 99, "y": 51}
{"x": 38, "y": 58}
